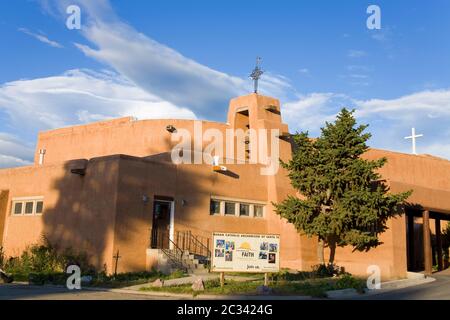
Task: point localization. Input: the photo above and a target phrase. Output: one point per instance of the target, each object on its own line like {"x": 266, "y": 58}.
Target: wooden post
{"x": 427, "y": 243}
{"x": 116, "y": 257}
{"x": 437, "y": 223}
{"x": 266, "y": 279}
{"x": 189, "y": 240}
{"x": 222, "y": 279}
{"x": 411, "y": 244}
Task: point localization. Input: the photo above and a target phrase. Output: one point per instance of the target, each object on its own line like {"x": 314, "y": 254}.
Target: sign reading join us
{"x": 235, "y": 252}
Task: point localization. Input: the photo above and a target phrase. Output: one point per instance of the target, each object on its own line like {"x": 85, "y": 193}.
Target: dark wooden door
{"x": 161, "y": 224}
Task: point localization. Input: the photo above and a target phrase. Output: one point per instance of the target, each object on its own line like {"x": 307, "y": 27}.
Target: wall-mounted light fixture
{"x": 171, "y": 128}
{"x": 145, "y": 198}
{"x": 216, "y": 166}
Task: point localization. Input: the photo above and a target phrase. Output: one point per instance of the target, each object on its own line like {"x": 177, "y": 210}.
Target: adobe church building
{"x": 112, "y": 187}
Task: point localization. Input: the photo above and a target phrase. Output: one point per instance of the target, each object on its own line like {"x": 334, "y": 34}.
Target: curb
{"x": 180, "y": 296}
{"x": 200, "y": 296}
{"x": 386, "y": 287}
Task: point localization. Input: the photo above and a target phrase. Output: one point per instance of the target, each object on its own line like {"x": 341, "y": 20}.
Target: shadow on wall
{"x": 100, "y": 207}
{"x": 85, "y": 212}
{"x": 83, "y": 215}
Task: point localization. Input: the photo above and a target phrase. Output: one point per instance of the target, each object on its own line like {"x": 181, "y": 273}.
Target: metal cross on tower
{"x": 256, "y": 74}
{"x": 413, "y": 138}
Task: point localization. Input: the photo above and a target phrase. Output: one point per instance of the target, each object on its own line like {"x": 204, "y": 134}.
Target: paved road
{"x": 436, "y": 290}
{"x": 25, "y": 292}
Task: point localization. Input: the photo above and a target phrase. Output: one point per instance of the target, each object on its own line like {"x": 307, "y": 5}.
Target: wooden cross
{"x": 413, "y": 138}
{"x": 116, "y": 257}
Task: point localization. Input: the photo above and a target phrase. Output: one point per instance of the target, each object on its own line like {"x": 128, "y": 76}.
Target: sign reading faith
{"x": 235, "y": 252}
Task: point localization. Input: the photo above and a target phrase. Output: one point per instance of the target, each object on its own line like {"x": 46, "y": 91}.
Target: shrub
{"x": 347, "y": 281}
{"x": 327, "y": 270}
{"x": 2, "y": 258}
{"x": 45, "y": 259}
{"x": 287, "y": 275}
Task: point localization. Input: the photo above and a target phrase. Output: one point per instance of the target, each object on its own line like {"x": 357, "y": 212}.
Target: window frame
{"x": 237, "y": 207}
{"x": 210, "y": 207}
{"x": 225, "y": 208}
{"x": 249, "y": 209}
{"x": 262, "y": 213}
{"x": 24, "y": 201}
{"x": 35, "y": 207}
{"x": 13, "y": 211}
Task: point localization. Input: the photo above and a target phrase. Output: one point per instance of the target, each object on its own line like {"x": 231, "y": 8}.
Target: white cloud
{"x": 14, "y": 152}
{"x": 310, "y": 111}
{"x": 42, "y": 38}
{"x": 359, "y": 68}
{"x": 437, "y": 149}
{"x": 430, "y": 103}
{"x": 80, "y": 96}
{"x": 390, "y": 120}
{"x": 161, "y": 70}
{"x": 304, "y": 71}
{"x": 12, "y": 162}
{"x": 383, "y": 35}
{"x": 356, "y": 54}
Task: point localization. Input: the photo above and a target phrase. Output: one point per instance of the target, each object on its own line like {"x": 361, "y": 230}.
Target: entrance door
{"x": 161, "y": 228}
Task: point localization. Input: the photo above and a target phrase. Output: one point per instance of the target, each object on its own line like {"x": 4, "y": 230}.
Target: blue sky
{"x": 186, "y": 59}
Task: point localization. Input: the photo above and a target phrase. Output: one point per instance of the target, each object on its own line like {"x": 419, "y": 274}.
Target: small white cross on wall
{"x": 413, "y": 138}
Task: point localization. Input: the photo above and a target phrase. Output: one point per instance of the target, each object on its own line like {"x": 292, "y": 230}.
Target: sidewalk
{"x": 414, "y": 279}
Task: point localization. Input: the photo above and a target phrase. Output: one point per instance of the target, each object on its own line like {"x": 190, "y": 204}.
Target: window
{"x": 244, "y": 210}
{"x": 214, "y": 207}
{"x": 259, "y": 211}
{"x": 230, "y": 208}
{"x": 27, "y": 206}
{"x": 39, "y": 207}
{"x": 234, "y": 207}
{"x": 18, "y": 208}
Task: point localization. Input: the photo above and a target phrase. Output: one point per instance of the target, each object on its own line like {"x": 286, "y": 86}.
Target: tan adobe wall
{"x": 192, "y": 185}
{"x": 122, "y": 136}
{"x": 78, "y": 212}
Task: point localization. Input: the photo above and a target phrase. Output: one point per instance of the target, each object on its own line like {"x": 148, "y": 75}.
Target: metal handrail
{"x": 177, "y": 248}
{"x": 184, "y": 241}
{"x": 202, "y": 246}
{"x": 174, "y": 255}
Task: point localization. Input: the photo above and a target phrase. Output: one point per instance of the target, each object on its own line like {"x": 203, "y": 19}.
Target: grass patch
{"x": 310, "y": 287}
{"x": 132, "y": 278}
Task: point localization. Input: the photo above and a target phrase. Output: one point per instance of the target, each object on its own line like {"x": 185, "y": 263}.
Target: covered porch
{"x": 427, "y": 239}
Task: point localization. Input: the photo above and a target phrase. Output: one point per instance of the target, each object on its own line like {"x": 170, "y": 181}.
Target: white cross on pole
{"x": 413, "y": 138}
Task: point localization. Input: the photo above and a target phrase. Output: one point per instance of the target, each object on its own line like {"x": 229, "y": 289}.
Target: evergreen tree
{"x": 344, "y": 200}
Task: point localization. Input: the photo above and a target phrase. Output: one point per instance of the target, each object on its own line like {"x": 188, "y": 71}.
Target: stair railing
{"x": 170, "y": 249}
{"x": 189, "y": 242}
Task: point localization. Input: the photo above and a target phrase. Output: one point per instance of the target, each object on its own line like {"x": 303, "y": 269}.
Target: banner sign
{"x": 235, "y": 252}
